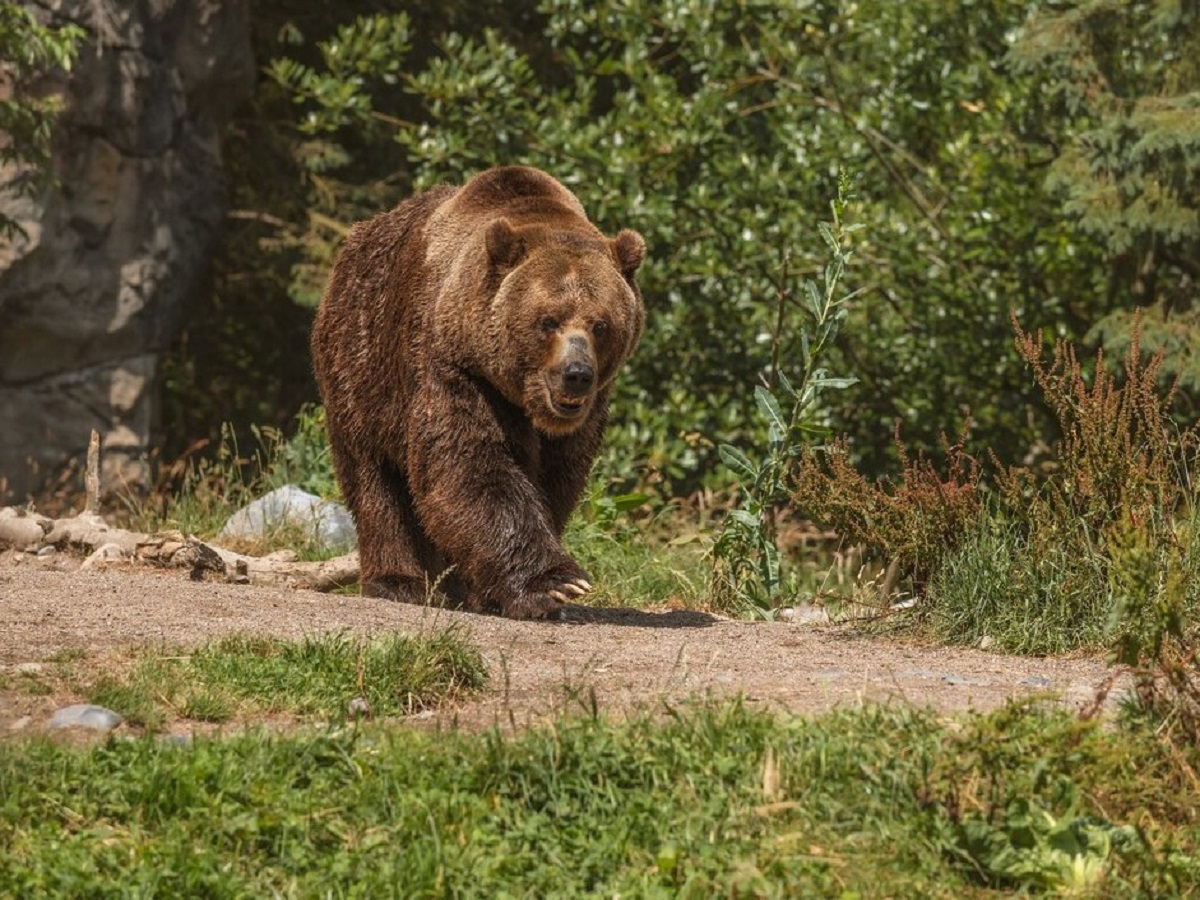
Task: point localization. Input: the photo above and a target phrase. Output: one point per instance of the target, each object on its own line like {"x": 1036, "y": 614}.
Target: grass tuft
{"x": 1047, "y": 601}
{"x": 315, "y": 677}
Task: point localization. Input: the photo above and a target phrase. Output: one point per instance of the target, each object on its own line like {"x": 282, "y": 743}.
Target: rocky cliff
{"x": 97, "y": 288}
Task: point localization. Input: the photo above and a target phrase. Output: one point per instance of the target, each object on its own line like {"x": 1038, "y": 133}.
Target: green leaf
{"x": 769, "y": 407}
{"x": 745, "y": 518}
{"x": 836, "y": 384}
{"x": 738, "y": 461}
{"x": 627, "y": 502}
{"x": 827, "y": 234}
{"x": 813, "y": 295}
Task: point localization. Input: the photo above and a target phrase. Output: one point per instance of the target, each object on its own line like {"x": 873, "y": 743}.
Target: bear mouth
{"x": 568, "y": 407}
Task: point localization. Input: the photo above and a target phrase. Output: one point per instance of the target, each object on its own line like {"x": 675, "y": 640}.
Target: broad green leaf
{"x": 738, "y": 461}
{"x": 769, "y": 407}
{"x": 626, "y": 502}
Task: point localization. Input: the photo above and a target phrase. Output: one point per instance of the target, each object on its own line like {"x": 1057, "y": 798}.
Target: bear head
{"x": 566, "y": 313}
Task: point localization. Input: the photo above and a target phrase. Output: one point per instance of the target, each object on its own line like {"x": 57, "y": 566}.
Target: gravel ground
{"x": 618, "y": 659}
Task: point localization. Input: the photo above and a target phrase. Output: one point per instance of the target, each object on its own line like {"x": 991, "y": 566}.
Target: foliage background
{"x": 1009, "y": 160}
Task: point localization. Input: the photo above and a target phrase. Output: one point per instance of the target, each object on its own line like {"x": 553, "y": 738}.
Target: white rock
{"x": 330, "y": 522}
{"x": 83, "y": 715}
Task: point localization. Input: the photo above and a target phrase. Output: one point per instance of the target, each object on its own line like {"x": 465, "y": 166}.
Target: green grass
{"x": 647, "y": 561}
{"x": 314, "y": 677}
{"x": 639, "y": 570}
{"x": 1050, "y": 599}
{"x": 713, "y": 801}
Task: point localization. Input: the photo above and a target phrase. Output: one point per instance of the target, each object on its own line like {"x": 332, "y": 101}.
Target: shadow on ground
{"x": 636, "y": 618}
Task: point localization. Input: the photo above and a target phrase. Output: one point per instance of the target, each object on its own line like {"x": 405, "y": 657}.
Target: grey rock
{"x": 96, "y": 288}
{"x": 358, "y": 707}
{"x": 84, "y": 715}
{"x": 29, "y": 668}
{"x": 1037, "y": 681}
{"x": 330, "y": 523}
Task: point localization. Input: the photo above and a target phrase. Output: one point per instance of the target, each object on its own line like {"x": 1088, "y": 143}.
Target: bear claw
{"x": 570, "y": 590}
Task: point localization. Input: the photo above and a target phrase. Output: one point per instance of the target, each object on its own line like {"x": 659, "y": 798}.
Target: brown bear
{"x": 465, "y": 350}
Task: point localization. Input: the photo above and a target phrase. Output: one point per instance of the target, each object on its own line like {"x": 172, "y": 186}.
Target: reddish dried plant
{"x": 1120, "y": 455}
{"x": 912, "y": 521}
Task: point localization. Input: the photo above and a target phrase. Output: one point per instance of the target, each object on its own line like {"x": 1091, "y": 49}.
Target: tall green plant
{"x": 747, "y": 570}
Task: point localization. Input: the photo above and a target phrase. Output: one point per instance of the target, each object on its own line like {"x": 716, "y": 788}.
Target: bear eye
{"x": 549, "y": 324}
{"x": 599, "y": 328}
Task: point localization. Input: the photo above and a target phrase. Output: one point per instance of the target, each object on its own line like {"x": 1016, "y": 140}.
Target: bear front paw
{"x": 544, "y": 598}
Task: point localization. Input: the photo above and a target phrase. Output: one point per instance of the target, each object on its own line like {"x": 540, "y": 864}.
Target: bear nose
{"x": 578, "y": 377}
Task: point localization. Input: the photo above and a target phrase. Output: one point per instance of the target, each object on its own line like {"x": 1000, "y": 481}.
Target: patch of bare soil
{"x": 617, "y": 659}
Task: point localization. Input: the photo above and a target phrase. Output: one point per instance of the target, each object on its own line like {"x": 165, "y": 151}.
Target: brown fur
{"x": 465, "y": 350}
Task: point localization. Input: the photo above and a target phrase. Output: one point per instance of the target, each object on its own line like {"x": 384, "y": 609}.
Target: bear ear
{"x": 630, "y": 249}
{"x": 504, "y": 246}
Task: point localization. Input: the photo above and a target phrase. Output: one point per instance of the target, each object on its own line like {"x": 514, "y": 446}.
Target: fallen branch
{"x": 28, "y": 531}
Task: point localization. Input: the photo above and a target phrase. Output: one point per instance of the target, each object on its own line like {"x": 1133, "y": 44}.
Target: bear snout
{"x": 578, "y": 378}
{"x": 571, "y": 377}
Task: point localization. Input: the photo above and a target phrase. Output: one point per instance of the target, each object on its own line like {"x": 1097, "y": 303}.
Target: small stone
{"x": 986, "y": 642}
{"x": 359, "y": 707}
{"x": 1037, "y": 681}
{"x": 803, "y": 614}
{"x": 103, "y": 554}
{"x": 29, "y": 668}
{"x": 47, "y": 551}
{"x": 958, "y": 679}
{"x": 904, "y": 604}
{"x": 84, "y": 715}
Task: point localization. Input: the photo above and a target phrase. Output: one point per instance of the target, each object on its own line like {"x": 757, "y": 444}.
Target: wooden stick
{"x": 91, "y": 478}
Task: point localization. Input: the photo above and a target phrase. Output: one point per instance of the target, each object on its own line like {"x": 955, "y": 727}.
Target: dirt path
{"x": 625, "y": 658}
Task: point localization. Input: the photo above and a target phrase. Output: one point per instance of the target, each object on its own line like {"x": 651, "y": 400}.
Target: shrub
{"x": 911, "y": 523}
{"x": 1093, "y": 550}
